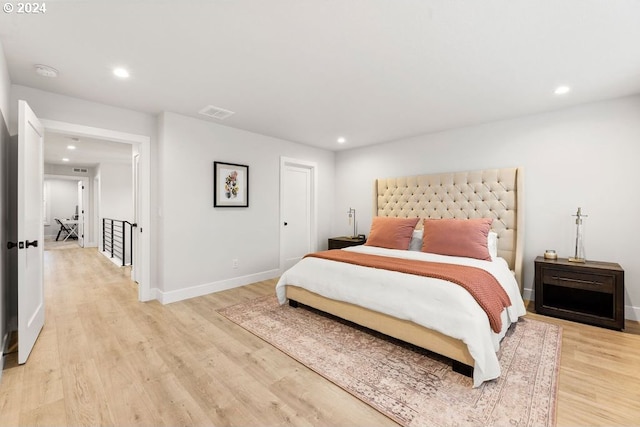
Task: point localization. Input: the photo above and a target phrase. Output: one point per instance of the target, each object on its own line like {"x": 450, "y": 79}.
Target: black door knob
{"x": 34, "y": 244}
{"x": 11, "y": 245}
{"x": 285, "y": 223}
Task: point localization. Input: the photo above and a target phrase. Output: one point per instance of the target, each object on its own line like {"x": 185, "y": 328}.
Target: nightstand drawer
{"x": 573, "y": 279}
{"x": 345, "y": 242}
{"x": 590, "y": 292}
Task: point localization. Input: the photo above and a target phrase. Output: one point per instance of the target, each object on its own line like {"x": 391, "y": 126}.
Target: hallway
{"x": 86, "y": 297}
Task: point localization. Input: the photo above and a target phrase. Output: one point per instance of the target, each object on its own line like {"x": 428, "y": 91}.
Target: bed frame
{"x": 493, "y": 193}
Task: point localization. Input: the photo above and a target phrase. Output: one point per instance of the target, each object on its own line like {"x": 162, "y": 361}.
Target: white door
{"x": 30, "y": 230}
{"x": 297, "y": 212}
{"x": 80, "y": 229}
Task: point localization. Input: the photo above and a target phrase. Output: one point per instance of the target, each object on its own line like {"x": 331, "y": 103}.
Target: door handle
{"x": 34, "y": 244}
{"x": 285, "y": 223}
{"x": 11, "y": 245}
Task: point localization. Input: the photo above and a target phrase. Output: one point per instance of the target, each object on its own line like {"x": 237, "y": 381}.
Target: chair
{"x": 63, "y": 227}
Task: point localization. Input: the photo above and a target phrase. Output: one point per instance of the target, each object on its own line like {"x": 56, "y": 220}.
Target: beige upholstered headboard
{"x": 491, "y": 193}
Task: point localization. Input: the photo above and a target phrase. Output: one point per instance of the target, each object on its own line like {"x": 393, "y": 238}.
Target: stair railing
{"x": 117, "y": 239}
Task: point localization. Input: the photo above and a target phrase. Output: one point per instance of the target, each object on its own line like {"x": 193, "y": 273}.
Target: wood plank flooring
{"x": 103, "y": 358}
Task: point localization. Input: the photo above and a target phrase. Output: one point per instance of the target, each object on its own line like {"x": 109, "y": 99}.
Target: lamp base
{"x": 580, "y": 260}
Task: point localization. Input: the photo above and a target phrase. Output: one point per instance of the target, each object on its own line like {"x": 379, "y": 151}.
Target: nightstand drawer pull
{"x": 586, "y": 282}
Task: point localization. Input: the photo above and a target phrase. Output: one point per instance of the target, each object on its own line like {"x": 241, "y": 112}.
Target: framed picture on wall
{"x": 230, "y": 185}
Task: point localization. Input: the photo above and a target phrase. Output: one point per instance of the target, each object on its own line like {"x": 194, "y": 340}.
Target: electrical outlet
{"x": 234, "y": 263}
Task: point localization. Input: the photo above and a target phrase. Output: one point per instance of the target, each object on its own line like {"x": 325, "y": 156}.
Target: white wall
{"x": 190, "y": 238}
{"x": 199, "y": 241}
{"x": 62, "y": 198}
{"x": 52, "y": 106}
{"x": 5, "y": 85}
{"x": 115, "y": 200}
{"x": 585, "y": 156}
{"x": 116, "y": 191}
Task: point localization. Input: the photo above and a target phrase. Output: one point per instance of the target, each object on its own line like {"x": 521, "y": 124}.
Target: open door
{"x": 29, "y": 240}
{"x": 80, "y": 230}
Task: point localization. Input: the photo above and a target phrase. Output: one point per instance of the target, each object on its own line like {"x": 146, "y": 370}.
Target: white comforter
{"x": 434, "y": 303}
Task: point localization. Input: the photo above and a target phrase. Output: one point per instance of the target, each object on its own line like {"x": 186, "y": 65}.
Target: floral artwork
{"x": 231, "y": 185}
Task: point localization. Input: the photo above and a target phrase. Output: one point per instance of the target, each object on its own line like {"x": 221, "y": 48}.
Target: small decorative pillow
{"x": 391, "y": 233}
{"x": 457, "y": 237}
{"x": 492, "y": 244}
{"x": 416, "y": 241}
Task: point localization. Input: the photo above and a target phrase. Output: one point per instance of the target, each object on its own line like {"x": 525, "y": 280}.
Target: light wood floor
{"x": 103, "y": 358}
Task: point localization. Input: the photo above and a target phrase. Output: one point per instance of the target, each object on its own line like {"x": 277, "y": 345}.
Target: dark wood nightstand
{"x": 345, "y": 241}
{"x": 590, "y": 292}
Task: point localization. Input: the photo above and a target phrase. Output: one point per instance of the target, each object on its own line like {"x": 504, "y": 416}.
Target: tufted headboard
{"x": 491, "y": 193}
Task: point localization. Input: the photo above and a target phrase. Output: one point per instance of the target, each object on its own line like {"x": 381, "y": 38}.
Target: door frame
{"x": 313, "y": 200}
{"x": 143, "y": 143}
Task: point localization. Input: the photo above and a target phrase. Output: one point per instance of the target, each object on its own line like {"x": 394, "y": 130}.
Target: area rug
{"x": 412, "y": 386}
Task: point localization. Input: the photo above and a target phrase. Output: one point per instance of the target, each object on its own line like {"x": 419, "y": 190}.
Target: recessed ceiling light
{"x": 562, "y": 90}
{"x": 71, "y": 147}
{"x": 121, "y": 72}
{"x": 342, "y": 140}
{"x": 64, "y": 159}
{"x": 46, "y": 71}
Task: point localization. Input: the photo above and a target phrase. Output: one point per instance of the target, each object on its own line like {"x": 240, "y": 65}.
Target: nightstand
{"x": 590, "y": 292}
{"x": 345, "y": 241}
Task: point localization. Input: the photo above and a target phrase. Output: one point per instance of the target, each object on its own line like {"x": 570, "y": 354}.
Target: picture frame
{"x": 230, "y": 185}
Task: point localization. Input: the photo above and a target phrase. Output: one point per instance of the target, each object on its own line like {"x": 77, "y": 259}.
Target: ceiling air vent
{"x": 216, "y": 112}
{"x": 81, "y": 170}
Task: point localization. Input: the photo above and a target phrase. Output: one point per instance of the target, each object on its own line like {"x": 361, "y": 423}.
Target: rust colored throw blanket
{"x": 481, "y": 284}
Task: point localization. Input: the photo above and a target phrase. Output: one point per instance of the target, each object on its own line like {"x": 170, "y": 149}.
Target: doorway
{"x": 141, "y": 148}
{"x": 298, "y": 210}
{"x": 67, "y": 211}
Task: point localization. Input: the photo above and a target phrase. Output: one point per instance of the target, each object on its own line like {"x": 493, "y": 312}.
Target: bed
{"x": 442, "y": 317}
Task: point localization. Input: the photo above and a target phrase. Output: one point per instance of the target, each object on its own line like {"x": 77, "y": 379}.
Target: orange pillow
{"x": 457, "y": 237}
{"x": 391, "y": 233}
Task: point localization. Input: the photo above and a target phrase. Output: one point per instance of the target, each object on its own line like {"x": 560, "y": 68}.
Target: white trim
{"x": 46, "y": 191}
{"x": 209, "y": 288}
{"x": 313, "y": 167}
{"x": 527, "y": 294}
{"x": 632, "y": 313}
{"x": 116, "y": 261}
{"x": 144, "y": 287}
{"x": 97, "y": 133}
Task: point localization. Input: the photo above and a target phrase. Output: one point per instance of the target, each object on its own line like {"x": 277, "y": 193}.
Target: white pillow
{"x": 492, "y": 242}
{"x": 416, "y": 241}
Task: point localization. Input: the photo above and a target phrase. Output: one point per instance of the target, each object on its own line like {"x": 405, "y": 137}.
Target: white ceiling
{"x": 310, "y": 71}
{"x": 88, "y": 152}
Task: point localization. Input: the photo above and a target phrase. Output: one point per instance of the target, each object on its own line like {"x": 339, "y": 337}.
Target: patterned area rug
{"x": 410, "y": 385}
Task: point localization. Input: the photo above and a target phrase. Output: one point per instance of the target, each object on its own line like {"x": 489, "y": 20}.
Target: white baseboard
{"x": 116, "y": 261}
{"x": 632, "y": 313}
{"x": 527, "y": 294}
{"x": 153, "y": 294}
{"x": 209, "y": 288}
